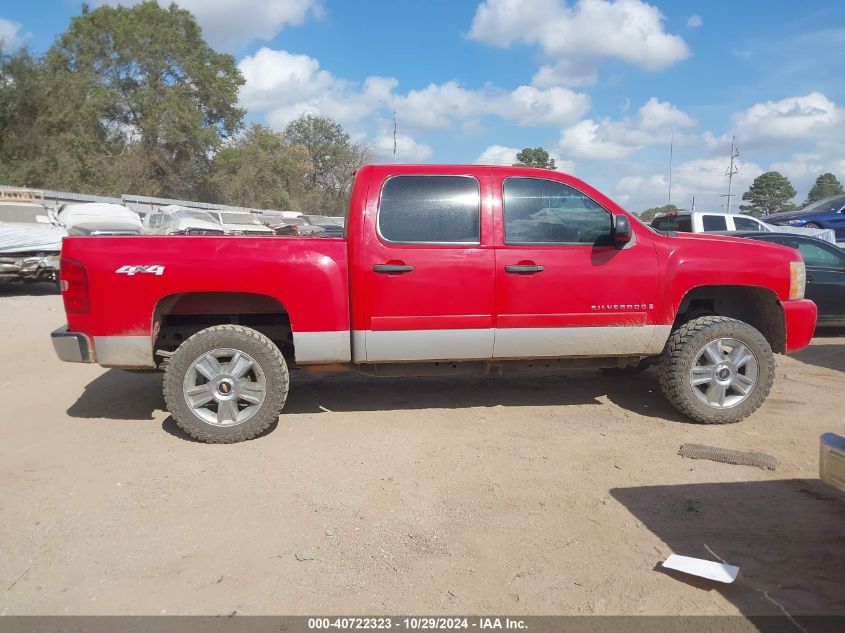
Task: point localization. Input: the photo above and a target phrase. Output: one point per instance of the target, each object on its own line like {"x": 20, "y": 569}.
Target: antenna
{"x": 731, "y": 171}
{"x": 671, "y": 148}
{"x": 693, "y": 205}
{"x": 394, "y": 136}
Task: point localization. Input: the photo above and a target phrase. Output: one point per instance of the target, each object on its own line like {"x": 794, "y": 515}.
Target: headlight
{"x": 797, "y": 280}
{"x": 791, "y": 222}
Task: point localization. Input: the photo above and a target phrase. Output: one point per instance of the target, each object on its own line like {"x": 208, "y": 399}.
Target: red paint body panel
{"x": 307, "y": 276}
{"x": 800, "y": 323}
{"x": 328, "y": 285}
{"x": 451, "y": 286}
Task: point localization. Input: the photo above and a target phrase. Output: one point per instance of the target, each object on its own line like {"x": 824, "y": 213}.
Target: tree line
{"x": 133, "y": 100}
{"x": 770, "y": 192}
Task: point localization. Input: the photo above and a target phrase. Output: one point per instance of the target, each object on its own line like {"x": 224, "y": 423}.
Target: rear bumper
{"x": 71, "y": 347}
{"x": 832, "y": 460}
{"x": 800, "y": 319}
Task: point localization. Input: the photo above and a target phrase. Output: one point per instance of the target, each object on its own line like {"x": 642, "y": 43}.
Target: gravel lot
{"x": 553, "y": 495}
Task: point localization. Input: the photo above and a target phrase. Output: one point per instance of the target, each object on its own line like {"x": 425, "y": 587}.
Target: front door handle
{"x": 392, "y": 268}
{"x": 523, "y": 269}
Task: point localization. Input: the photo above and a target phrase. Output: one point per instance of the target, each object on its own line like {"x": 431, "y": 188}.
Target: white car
{"x": 181, "y": 221}
{"x": 713, "y": 222}
{"x": 98, "y": 218}
{"x": 241, "y": 223}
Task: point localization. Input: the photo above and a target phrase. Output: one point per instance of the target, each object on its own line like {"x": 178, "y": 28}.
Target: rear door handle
{"x": 392, "y": 268}
{"x": 523, "y": 269}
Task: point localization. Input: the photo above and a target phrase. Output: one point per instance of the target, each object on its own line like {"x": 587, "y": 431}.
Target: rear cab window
{"x": 422, "y": 209}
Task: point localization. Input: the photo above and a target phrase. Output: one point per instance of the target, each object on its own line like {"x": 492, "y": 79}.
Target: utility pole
{"x": 394, "y": 137}
{"x": 671, "y": 147}
{"x": 731, "y": 171}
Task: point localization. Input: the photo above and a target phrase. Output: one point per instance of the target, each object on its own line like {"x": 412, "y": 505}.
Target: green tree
{"x": 826, "y": 185}
{"x": 536, "y": 157}
{"x": 333, "y": 158}
{"x": 769, "y": 193}
{"x": 165, "y": 100}
{"x": 649, "y": 214}
{"x": 260, "y": 170}
{"x": 51, "y": 128}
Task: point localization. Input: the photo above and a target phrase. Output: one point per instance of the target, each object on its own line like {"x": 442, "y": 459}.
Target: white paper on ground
{"x": 704, "y": 568}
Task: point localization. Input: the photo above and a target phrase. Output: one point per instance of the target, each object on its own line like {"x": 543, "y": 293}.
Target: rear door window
{"x": 746, "y": 224}
{"x": 820, "y": 257}
{"x": 430, "y": 210}
{"x": 714, "y": 223}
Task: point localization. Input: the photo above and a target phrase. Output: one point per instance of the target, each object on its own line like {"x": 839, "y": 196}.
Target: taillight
{"x": 74, "y": 278}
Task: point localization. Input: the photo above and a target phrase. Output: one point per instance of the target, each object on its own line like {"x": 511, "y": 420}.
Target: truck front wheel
{"x": 716, "y": 370}
{"x": 226, "y": 384}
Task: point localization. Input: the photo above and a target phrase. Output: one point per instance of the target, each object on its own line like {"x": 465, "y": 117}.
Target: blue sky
{"x": 602, "y": 84}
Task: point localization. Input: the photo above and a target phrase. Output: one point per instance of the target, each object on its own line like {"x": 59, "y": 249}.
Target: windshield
{"x": 828, "y": 205}
{"x": 320, "y": 220}
{"x": 239, "y": 218}
{"x": 193, "y": 215}
{"x": 676, "y": 222}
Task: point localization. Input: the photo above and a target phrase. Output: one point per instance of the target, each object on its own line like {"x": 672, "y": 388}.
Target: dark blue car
{"x": 828, "y": 213}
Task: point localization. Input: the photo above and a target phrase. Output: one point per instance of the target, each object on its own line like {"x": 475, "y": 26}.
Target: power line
{"x": 731, "y": 171}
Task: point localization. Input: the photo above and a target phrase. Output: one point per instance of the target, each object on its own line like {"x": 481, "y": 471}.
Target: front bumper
{"x": 832, "y": 460}
{"x": 800, "y": 319}
{"x": 71, "y": 347}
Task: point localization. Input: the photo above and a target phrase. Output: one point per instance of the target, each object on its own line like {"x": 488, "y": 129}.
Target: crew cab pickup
{"x": 443, "y": 269}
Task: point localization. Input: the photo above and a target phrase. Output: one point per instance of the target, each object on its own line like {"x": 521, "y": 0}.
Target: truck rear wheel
{"x": 226, "y": 384}
{"x": 716, "y": 370}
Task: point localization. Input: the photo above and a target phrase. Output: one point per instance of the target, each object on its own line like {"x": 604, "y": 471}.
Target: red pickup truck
{"x": 444, "y": 269}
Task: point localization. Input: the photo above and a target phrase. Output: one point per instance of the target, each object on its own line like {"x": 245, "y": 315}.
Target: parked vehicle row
{"x": 712, "y": 222}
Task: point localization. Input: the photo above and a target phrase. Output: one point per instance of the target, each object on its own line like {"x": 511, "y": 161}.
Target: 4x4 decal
{"x": 155, "y": 269}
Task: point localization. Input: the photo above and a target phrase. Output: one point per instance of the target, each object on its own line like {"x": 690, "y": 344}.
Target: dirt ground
{"x": 552, "y": 495}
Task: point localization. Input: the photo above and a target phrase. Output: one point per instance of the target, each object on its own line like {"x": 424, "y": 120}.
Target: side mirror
{"x": 622, "y": 232}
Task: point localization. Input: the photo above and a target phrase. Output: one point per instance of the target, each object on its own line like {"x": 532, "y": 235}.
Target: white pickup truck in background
{"x": 712, "y": 222}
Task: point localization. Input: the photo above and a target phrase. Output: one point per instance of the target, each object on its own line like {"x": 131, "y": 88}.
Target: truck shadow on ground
{"x": 123, "y": 395}
{"x": 827, "y": 355}
{"x": 786, "y": 537}
{"x": 37, "y": 289}
{"x": 120, "y": 395}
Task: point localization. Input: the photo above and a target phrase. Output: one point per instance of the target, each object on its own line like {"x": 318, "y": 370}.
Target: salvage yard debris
{"x": 728, "y": 456}
{"x": 720, "y": 572}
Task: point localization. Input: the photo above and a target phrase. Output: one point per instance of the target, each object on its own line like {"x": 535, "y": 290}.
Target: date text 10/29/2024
{"x": 417, "y": 623}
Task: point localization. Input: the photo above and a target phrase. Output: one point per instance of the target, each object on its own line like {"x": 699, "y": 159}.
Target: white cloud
{"x": 630, "y": 30}
{"x": 703, "y": 178}
{"x": 234, "y": 23}
{"x": 407, "y": 149}
{"x": 501, "y": 155}
{"x": 607, "y": 139}
{"x": 566, "y": 72}
{"x": 11, "y": 35}
{"x": 284, "y": 85}
{"x": 497, "y": 155}
{"x": 794, "y": 119}
{"x": 694, "y": 21}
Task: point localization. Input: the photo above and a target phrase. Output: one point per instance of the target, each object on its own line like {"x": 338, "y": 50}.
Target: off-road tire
{"x": 680, "y": 352}
{"x": 237, "y": 337}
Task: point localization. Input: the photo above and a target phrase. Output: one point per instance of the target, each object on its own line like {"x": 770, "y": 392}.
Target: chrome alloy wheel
{"x": 724, "y": 373}
{"x": 224, "y": 387}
